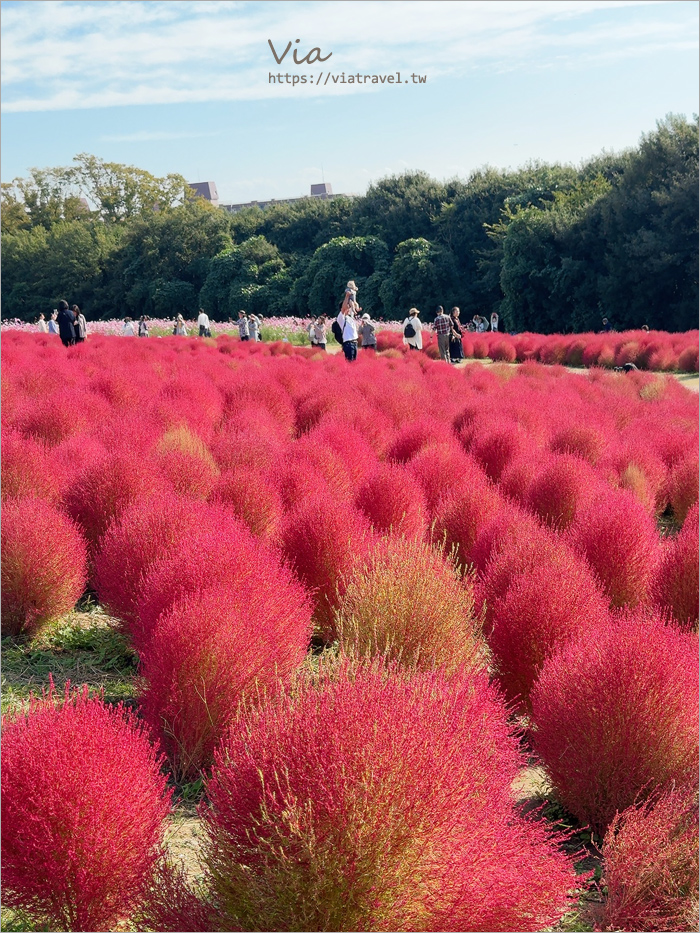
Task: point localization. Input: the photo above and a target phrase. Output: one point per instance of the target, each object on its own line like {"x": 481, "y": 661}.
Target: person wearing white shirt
{"x": 412, "y": 323}
{"x": 41, "y": 325}
{"x": 52, "y": 326}
{"x": 128, "y": 330}
{"x": 254, "y": 325}
{"x": 348, "y": 325}
{"x": 203, "y": 322}
{"x": 320, "y": 338}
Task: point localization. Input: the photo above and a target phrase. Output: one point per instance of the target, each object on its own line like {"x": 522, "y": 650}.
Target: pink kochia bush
{"x": 375, "y": 800}
{"x": 323, "y": 539}
{"x": 83, "y": 810}
{"x": 651, "y": 865}
{"x": 393, "y": 501}
{"x": 676, "y": 584}
{"x": 618, "y": 537}
{"x": 212, "y": 649}
{"x": 44, "y": 564}
{"x": 537, "y": 599}
{"x": 616, "y": 715}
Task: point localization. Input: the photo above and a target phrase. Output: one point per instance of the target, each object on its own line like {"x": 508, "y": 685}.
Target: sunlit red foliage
{"x": 676, "y": 583}
{"x": 83, "y": 810}
{"x": 352, "y": 803}
{"x": 212, "y": 649}
{"x": 616, "y": 715}
{"x": 323, "y": 539}
{"x": 393, "y": 500}
{"x": 650, "y": 855}
{"x": 44, "y": 565}
{"x": 618, "y": 538}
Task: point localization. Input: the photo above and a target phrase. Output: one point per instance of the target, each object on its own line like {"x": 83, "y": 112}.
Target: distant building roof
{"x": 323, "y": 191}
{"x": 206, "y": 190}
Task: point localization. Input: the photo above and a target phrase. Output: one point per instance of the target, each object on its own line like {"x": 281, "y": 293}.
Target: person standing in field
{"x": 203, "y": 322}
{"x": 180, "y": 330}
{"x": 319, "y": 330}
{"x": 443, "y": 329}
{"x": 243, "y": 326}
{"x": 52, "y": 326}
{"x": 412, "y": 329}
{"x": 42, "y": 325}
{"x": 128, "y": 330}
{"x": 80, "y": 325}
{"x": 348, "y": 326}
{"x": 494, "y": 322}
{"x": 66, "y": 324}
{"x": 143, "y": 326}
{"x": 367, "y": 332}
{"x": 456, "y": 348}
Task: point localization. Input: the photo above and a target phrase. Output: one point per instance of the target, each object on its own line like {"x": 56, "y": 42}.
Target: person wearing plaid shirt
{"x": 443, "y": 329}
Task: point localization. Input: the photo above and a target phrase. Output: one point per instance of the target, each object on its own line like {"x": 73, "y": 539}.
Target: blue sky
{"x": 184, "y": 86}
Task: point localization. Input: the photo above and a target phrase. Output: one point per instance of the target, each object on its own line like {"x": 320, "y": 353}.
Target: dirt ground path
{"x": 689, "y": 380}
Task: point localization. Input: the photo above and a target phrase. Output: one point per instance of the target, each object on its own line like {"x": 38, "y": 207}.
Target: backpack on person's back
{"x": 337, "y": 331}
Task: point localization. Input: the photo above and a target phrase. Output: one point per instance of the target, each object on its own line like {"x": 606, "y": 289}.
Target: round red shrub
{"x": 27, "y": 470}
{"x": 145, "y": 531}
{"x": 105, "y": 487}
{"x": 212, "y": 649}
{"x": 252, "y": 498}
{"x": 650, "y": 854}
{"x": 550, "y": 598}
{"x": 495, "y": 447}
{"x": 44, "y": 565}
{"x": 464, "y": 513}
{"x": 507, "y": 525}
{"x": 414, "y": 436}
{"x": 676, "y": 583}
{"x": 616, "y": 716}
{"x": 83, "y": 810}
{"x": 350, "y": 804}
{"x": 502, "y": 351}
{"x": 564, "y": 486}
{"x": 406, "y": 603}
{"x": 583, "y": 440}
{"x": 618, "y": 537}
{"x": 393, "y": 501}
{"x": 683, "y": 486}
{"x": 186, "y": 463}
{"x": 688, "y": 360}
{"x": 437, "y": 468}
{"x": 221, "y": 550}
{"x": 323, "y": 539}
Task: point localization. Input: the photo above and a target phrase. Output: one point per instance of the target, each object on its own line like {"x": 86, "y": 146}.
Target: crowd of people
{"x": 351, "y": 328}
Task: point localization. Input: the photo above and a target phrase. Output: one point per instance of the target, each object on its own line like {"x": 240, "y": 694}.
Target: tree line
{"x": 551, "y": 248}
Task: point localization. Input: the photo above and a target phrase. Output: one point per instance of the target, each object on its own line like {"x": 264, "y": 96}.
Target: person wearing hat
{"x": 367, "y": 333}
{"x": 350, "y": 298}
{"x": 412, "y": 328}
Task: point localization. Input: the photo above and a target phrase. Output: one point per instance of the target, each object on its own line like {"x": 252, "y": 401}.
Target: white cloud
{"x": 67, "y": 55}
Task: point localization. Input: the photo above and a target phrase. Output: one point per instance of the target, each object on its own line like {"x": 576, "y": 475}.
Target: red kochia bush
{"x": 105, "y": 488}
{"x": 377, "y": 801}
{"x": 464, "y": 512}
{"x": 616, "y": 715}
{"x": 551, "y": 596}
{"x": 43, "y": 565}
{"x": 683, "y": 486}
{"x": 564, "y": 486}
{"x": 210, "y": 650}
{"x": 618, "y": 537}
{"x": 324, "y": 539}
{"x": 651, "y": 865}
{"x": 83, "y": 810}
{"x": 222, "y": 550}
{"x": 392, "y": 500}
{"x": 145, "y": 531}
{"x": 26, "y": 469}
{"x": 676, "y": 583}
